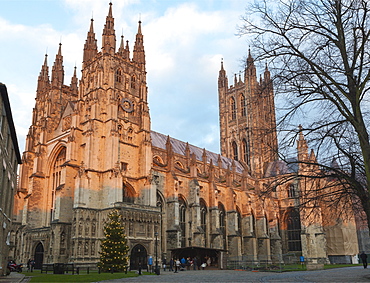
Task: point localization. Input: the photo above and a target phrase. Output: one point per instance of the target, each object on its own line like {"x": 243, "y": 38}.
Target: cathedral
{"x": 90, "y": 149}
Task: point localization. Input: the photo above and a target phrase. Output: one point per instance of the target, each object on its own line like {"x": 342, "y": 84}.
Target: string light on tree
{"x": 114, "y": 248}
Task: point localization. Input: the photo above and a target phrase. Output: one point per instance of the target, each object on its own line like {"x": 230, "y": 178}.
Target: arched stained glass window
{"x": 293, "y": 224}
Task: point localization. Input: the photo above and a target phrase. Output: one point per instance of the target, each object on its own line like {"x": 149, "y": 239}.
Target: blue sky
{"x": 184, "y": 43}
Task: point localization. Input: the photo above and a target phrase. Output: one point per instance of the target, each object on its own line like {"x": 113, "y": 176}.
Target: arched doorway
{"x": 39, "y": 255}
{"x": 138, "y": 256}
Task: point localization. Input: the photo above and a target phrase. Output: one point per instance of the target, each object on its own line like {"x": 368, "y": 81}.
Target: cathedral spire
{"x": 57, "y": 73}
{"x": 43, "y": 80}
{"x": 127, "y": 50}
{"x": 90, "y": 47}
{"x": 139, "y": 53}
{"x": 74, "y": 83}
{"x": 222, "y": 79}
{"x": 250, "y": 60}
{"x": 109, "y": 36}
{"x": 302, "y": 146}
{"x": 121, "y": 49}
{"x": 266, "y": 75}
{"x": 250, "y": 70}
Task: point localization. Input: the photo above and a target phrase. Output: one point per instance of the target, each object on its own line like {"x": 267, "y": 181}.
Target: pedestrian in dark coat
{"x": 171, "y": 264}
{"x": 363, "y": 257}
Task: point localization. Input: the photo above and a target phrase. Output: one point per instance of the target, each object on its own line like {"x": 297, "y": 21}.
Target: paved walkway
{"x": 13, "y": 277}
{"x": 347, "y": 274}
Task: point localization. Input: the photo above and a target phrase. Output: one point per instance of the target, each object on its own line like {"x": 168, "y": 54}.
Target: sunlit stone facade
{"x": 90, "y": 149}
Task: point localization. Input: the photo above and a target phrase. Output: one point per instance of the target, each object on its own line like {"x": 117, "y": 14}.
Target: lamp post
{"x": 157, "y": 271}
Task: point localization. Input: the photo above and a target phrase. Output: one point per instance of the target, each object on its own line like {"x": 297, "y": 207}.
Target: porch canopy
{"x": 200, "y": 253}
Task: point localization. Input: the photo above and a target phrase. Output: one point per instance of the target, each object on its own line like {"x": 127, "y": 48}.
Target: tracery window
{"x": 293, "y": 223}
{"x": 182, "y": 221}
{"x": 233, "y": 108}
{"x": 242, "y": 105}
{"x": 57, "y": 177}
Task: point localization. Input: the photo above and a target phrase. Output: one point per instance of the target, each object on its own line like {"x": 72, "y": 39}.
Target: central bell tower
{"x": 247, "y": 118}
{"x": 114, "y": 114}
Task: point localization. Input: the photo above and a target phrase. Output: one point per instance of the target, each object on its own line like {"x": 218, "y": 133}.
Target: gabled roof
{"x": 179, "y": 147}
{"x": 281, "y": 167}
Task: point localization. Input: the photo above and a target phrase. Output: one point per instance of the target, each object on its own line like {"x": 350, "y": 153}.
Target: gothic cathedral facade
{"x": 90, "y": 149}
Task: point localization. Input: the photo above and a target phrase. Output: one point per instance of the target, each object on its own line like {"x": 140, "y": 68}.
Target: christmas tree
{"x": 114, "y": 249}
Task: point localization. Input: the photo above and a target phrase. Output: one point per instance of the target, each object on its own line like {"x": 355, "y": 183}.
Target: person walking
{"x": 171, "y": 264}
{"x": 177, "y": 265}
{"x": 164, "y": 262}
{"x": 363, "y": 257}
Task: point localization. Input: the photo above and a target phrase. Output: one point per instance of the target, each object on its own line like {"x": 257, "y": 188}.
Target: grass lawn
{"x": 329, "y": 266}
{"x": 94, "y": 276}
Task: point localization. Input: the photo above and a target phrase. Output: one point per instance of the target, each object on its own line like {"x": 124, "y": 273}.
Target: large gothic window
{"x": 242, "y": 105}
{"x": 203, "y": 219}
{"x": 57, "y": 178}
{"x": 233, "y": 108}
{"x": 182, "y": 221}
{"x": 245, "y": 148}
{"x": 222, "y": 222}
{"x": 293, "y": 224}
{"x": 235, "y": 150}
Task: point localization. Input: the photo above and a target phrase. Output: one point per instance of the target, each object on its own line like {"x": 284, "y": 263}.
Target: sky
{"x": 184, "y": 42}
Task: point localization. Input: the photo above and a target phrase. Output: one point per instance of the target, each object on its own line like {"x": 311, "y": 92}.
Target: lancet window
{"x": 182, "y": 221}
{"x": 233, "y": 108}
{"x": 222, "y": 222}
{"x": 245, "y": 148}
{"x": 203, "y": 219}
{"x": 235, "y": 150}
{"x": 243, "y": 106}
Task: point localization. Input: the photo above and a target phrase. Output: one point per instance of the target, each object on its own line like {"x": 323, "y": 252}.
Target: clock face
{"x": 126, "y": 105}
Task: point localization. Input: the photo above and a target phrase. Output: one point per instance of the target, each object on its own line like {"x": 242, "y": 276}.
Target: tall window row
{"x": 245, "y": 151}
{"x": 234, "y": 108}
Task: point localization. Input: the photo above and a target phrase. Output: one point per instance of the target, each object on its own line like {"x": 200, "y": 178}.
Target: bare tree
{"x": 319, "y": 55}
